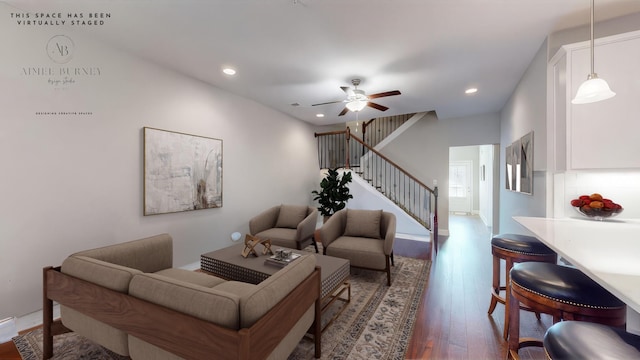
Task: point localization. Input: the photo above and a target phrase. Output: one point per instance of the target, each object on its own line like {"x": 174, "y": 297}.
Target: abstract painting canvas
{"x": 182, "y": 172}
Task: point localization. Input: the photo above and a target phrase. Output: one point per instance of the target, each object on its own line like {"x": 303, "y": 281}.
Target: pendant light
{"x": 593, "y": 89}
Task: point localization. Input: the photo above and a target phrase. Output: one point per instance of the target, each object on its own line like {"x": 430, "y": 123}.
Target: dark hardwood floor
{"x": 452, "y": 321}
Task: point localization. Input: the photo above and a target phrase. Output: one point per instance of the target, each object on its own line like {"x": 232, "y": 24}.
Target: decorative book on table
{"x": 280, "y": 261}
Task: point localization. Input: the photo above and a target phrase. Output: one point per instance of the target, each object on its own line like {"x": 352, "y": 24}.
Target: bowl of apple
{"x": 596, "y": 207}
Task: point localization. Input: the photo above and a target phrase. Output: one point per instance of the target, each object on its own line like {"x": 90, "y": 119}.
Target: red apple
{"x": 577, "y": 202}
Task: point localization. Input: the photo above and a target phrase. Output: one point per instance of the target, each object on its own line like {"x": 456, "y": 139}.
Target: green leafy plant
{"x": 334, "y": 192}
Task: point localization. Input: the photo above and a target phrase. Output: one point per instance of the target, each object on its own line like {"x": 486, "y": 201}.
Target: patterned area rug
{"x": 69, "y": 346}
{"x": 376, "y": 324}
{"x": 379, "y": 320}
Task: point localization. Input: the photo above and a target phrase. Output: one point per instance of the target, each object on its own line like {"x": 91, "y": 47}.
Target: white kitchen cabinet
{"x": 601, "y": 135}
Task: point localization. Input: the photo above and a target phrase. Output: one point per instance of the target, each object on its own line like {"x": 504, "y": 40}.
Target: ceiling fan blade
{"x": 377, "y": 106}
{"x": 326, "y": 103}
{"x": 347, "y": 90}
{"x": 344, "y": 111}
{"x": 383, "y": 94}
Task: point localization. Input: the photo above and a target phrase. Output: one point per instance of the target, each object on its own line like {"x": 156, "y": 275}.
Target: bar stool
{"x": 514, "y": 248}
{"x": 563, "y": 292}
{"x": 582, "y": 340}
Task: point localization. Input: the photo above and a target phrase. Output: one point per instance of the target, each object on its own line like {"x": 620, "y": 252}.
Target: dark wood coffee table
{"x": 229, "y": 264}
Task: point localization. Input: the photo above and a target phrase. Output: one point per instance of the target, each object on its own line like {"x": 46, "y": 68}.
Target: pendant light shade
{"x": 594, "y": 89}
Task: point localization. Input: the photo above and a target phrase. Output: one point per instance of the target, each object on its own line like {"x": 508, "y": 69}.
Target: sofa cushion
{"x": 275, "y": 288}
{"x": 148, "y": 255}
{"x": 291, "y": 215}
{"x": 280, "y": 237}
{"x": 192, "y": 277}
{"x": 202, "y": 302}
{"x": 237, "y": 288}
{"x": 111, "y": 276}
{"x": 363, "y": 223}
{"x": 361, "y": 252}
{"x": 94, "y": 330}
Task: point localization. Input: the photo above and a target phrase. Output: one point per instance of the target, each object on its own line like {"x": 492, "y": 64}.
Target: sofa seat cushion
{"x": 280, "y": 237}
{"x": 360, "y": 251}
{"x": 202, "y": 302}
{"x": 363, "y": 223}
{"x": 291, "y": 215}
{"x": 192, "y": 277}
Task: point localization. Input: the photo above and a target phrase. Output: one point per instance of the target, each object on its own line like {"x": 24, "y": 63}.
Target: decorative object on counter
{"x": 596, "y": 207}
{"x": 250, "y": 243}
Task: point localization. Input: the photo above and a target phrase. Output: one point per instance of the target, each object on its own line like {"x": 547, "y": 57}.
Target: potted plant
{"x": 334, "y": 193}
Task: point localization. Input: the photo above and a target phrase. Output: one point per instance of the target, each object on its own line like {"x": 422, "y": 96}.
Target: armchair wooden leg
{"x": 392, "y": 263}
{"x": 315, "y": 245}
{"x": 389, "y": 270}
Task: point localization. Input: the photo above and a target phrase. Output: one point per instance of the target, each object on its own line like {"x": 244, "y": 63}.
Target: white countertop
{"x": 607, "y": 251}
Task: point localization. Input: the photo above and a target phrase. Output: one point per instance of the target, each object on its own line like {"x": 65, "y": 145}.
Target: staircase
{"x": 341, "y": 149}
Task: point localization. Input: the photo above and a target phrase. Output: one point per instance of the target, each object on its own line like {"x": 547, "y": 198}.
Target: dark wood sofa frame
{"x": 173, "y": 331}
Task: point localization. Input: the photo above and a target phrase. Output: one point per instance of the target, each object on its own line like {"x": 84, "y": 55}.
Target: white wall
{"x": 424, "y": 151}
{"x": 72, "y": 182}
{"x": 487, "y": 211}
{"x": 524, "y": 112}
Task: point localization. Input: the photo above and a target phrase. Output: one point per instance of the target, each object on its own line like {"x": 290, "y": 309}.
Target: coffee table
{"x": 227, "y": 263}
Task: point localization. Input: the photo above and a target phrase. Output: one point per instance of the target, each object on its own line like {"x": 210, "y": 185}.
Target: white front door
{"x": 460, "y": 190}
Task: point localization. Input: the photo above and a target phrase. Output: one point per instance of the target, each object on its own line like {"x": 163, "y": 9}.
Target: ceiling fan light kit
{"x": 357, "y": 100}
{"x": 356, "y": 105}
{"x": 593, "y": 89}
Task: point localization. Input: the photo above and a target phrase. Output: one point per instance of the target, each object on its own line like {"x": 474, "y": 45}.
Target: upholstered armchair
{"x": 290, "y": 226}
{"x": 364, "y": 237}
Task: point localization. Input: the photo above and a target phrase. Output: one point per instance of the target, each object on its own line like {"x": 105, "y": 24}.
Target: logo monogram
{"x": 60, "y": 49}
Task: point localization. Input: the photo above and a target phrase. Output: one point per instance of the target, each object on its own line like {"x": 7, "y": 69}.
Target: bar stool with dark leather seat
{"x": 514, "y": 248}
{"x": 563, "y": 292}
{"x": 582, "y": 340}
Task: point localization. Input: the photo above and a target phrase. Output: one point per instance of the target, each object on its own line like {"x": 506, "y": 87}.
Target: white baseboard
{"x": 8, "y": 329}
{"x": 35, "y": 318}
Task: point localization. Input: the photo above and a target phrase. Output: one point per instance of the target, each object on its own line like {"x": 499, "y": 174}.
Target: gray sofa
{"x": 129, "y": 299}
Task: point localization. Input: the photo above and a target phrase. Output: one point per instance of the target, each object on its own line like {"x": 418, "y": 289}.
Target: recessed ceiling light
{"x": 319, "y": 115}
{"x": 471, "y": 91}
{"x": 229, "y": 71}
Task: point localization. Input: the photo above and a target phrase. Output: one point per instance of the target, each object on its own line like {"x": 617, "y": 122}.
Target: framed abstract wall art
{"x": 519, "y": 165}
{"x": 182, "y": 172}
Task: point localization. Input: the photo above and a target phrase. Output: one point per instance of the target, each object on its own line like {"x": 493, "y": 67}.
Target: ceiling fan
{"x": 357, "y": 100}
